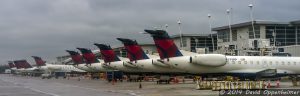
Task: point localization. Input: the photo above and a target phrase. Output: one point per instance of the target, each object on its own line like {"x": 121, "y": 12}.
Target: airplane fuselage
{"x": 240, "y": 64}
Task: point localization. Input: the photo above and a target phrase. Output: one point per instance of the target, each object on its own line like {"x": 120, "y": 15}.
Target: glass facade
{"x": 298, "y": 34}
{"x": 121, "y": 52}
{"x": 203, "y": 42}
{"x": 257, "y": 32}
{"x": 224, "y": 35}
{"x": 234, "y": 35}
{"x": 284, "y": 35}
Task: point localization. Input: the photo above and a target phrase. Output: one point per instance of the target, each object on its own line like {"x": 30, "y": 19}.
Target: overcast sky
{"x": 48, "y": 27}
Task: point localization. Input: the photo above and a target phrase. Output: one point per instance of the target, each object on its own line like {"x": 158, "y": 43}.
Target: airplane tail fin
{"x": 88, "y": 55}
{"x": 11, "y": 64}
{"x": 22, "y": 64}
{"x": 27, "y": 65}
{"x": 107, "y": 53}
{"x": 76, "y": 57}
{"x": 134, "y": 51}
{"x": 18, "y": 64}
{"x": 39, "y": 61}
{"x": 164, "y": 44}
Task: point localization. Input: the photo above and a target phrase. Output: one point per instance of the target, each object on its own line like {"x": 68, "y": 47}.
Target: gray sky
{"x": 48, "y": 27}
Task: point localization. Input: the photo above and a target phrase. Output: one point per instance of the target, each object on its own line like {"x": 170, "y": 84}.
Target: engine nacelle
{"x": 212, "y": 60}
{"x": 159, "y": 63}
{"x": 130, "y": 64}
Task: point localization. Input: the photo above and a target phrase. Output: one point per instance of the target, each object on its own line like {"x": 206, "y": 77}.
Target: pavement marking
{"x": 36, "y": 90}
{"x": 78, "y": 86}
{"x": 111, "y": 91}
{"x": 40, "y": 91}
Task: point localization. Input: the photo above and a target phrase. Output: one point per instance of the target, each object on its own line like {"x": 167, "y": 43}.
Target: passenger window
{"x": 245, "y": 62}
{"x": 289, "y": 63}
{"x": 233, "y": 62}
{"x": 282, "y": 63}
{"x": 270, "y": 62}
{"x": 257, "y": 62}
{"x": 239, "y": 62}
{"x": 295, "y": 63}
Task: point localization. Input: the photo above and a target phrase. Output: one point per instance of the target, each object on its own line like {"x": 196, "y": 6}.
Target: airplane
{"x": 145, "y": 61}
{"x": 78, "y": 61}
{"x": 24, "y": 67}
{"x": 92, "y": 62}
{"x": 111, "y": 59}
{"x": 12, "y": 65}
{"x": 245, "y": 67}
{"x": 54, "y": 67}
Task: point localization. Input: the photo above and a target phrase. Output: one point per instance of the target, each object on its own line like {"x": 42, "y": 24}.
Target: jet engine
{"x": 130, "y": 64}
{"x": 159, "y": 63}
{"x": 211, "y": 60}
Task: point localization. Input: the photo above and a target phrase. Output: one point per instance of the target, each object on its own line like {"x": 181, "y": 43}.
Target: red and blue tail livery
{"x": 134, "y": 51}
{"x": 88, "y": 55}
{"x": 39, "y": 61}
{"x": 11, "y": 64}
{"x": 76, "y": 57}
{"x": 107, "y": 53}
{"x": 22, "y": 64}
{"x": 164, "y": 44}
{"x": 18, "y": 64}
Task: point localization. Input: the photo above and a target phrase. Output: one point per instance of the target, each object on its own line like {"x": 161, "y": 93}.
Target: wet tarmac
{"x": 11, "y": 85}
{"x": 32, "y": 86}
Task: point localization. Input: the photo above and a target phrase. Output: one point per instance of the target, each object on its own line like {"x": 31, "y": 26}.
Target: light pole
{"x": 242, "y": 48}
{"x": 252, "y": 21}
{"x": 274, "y": 38}
{"x": 196, "y": 41}
{"x": 229, "y": 23}
{"x": 166, "y": 26}
{"x": 212, "y": 39}
{"x": 180, "y": 33}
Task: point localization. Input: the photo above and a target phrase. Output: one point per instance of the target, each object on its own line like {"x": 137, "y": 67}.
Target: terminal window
{"x": 257, "y": 32}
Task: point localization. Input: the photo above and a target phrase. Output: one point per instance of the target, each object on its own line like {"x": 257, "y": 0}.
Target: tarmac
{"x": 11, "y": 85}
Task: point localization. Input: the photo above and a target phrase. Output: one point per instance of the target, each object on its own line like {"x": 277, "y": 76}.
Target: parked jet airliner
{"x": 79, "y": 62}
{"x": 242, "y": 66}
{"x": 148, "y": 62}
{"x": 92, "y": 61}
{"x": 111, "y": 59}
{"x": 55, "y": 67}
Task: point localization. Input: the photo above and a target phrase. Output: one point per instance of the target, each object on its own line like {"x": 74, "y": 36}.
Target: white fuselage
{"x": 153, "y": 65}
{"x": 84, "y": 67}
{"x": 100, "y": 67}
{"x": 60, "y": 68}
{"x": 240, "y": 64}
{"x": 120, "y": 65}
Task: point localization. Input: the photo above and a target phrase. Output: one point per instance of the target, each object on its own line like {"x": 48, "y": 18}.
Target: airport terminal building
{"x": 200, "y": 43}
{"x": 240, "y": 40}
{"x": 269, "y": 37}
